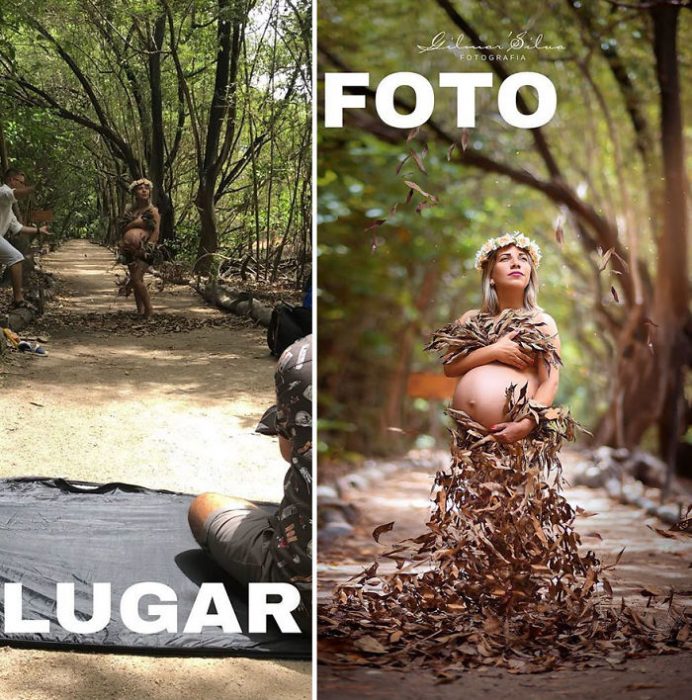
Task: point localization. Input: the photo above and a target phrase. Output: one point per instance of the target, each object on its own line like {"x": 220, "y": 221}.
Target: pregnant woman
{"x": 139, "y": 231}
{"x": 497, "y": 577}
{"x": 509, "y": 285}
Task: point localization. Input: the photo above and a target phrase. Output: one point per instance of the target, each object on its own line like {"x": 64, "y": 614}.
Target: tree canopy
{"x": 210, "y": 99}
{"x": 601, "y": 187}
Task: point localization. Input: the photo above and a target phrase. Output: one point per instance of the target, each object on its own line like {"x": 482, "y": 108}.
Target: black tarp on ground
{"x": 53, "y": 530}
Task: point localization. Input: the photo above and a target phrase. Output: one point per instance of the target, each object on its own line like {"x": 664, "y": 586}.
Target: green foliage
{"x": 77, "y": 88}
{"x": 370, "y": 301}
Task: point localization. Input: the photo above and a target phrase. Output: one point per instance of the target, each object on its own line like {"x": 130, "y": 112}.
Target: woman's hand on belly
{"x": 512, "y": 431}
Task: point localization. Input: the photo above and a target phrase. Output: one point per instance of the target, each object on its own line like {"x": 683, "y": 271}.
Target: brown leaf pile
{"x": 458, "y": 339}
{"x": 130, "y": 323}
{"x": 497, "y": 578}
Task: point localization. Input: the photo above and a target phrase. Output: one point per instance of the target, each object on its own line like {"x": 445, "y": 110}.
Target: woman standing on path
{"x": 139, "y": 232}
{"x": 498, "y": 576}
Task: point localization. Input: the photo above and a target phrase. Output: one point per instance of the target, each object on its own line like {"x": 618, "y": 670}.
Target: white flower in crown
{"x": 516, "y": 238}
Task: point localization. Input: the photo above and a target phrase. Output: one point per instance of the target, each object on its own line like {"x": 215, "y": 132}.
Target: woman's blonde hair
{"x": 489, "y": 301}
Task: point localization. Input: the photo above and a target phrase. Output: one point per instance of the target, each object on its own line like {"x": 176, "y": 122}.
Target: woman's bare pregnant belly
{"x": 481, "y": 391}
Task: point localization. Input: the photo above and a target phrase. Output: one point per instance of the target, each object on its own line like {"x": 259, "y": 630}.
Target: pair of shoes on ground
{"x": 35, "y": 349}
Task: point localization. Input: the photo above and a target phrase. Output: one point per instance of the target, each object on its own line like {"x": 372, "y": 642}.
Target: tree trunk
{"x": 672, "y": 294}
{"x": 209, "y": 238}
{"x": 4, "y": 161}
{"x": 649, "y": 385}
{"x": 158, "y": 147}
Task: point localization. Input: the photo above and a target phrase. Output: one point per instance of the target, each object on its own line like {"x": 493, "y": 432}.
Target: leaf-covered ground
{"x": 651, "y": 564}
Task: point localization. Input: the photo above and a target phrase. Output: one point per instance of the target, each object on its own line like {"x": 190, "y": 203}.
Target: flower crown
{"x": 516, "y": 238}
{"x": 137, "y": 183}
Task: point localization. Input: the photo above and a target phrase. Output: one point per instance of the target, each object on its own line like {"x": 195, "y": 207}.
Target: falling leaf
{"x": 401, "y": 164}
{"x": 423, "y": 205}
{"x": 619, "y": 556}
{"x": 370, "y": 571}
{"x": 381, "y": 529}
{"x": 420, "y": 190}
{"x": 377, "y": 223}
{"x": 605, "y": 258}
{"x": 623, "y": 262}
{"x": 419, "y": 162}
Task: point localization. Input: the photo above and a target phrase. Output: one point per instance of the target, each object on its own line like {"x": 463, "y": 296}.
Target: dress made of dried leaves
{"x": 498, "y": 577}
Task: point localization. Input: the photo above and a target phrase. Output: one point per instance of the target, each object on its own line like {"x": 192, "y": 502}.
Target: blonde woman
{"x": 509, "y": 282}
{"x": 499, "y": 563}
{"x": 139, "y": 231}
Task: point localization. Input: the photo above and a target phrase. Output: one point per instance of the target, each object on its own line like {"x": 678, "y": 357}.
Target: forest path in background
{"x": 649, "y": 561}
{"x": 168, "y": 404}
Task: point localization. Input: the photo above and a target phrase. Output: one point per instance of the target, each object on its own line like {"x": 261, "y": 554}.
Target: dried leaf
{"x": 376, "y": 224}
{"x": 412, "y": 134}
{"x": 615, "y": 295}
{"x": 401, "y": 164}
{"x": 450, "y": 151}
{"x": 381, "y": 529}
{"x": 369, "y": 645}
{"x": 623, "y": 262}
{"x": 419, "y": 162}
{"x": 559, "y": 234}
{"x": 605, "y": 258}
{"x": 420, "y": 190}
{"x": 619, "y": 556}
{"x": 464, "y": 139}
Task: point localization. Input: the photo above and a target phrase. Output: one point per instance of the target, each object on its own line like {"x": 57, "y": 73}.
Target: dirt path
{"x": 650, "y": 561}
{"x": 168, "y": 404}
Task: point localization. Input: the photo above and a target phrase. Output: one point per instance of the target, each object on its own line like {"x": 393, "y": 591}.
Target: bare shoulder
{"x": 550, "y": 325}
{"x": 468, "y": 315}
